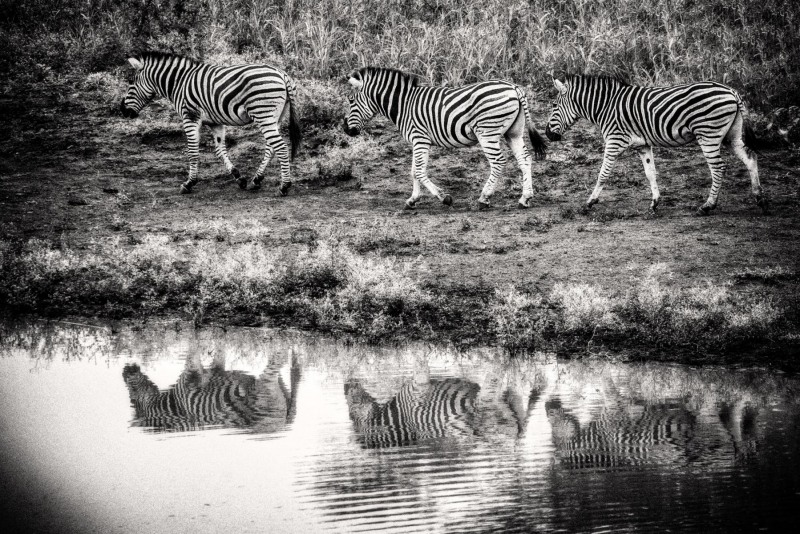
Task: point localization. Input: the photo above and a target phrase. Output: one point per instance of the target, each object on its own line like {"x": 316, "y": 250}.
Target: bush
{"x": 582, "y": 307}
{"x": 520, "y": 320}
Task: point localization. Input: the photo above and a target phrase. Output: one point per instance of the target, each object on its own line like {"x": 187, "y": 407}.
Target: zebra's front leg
{"x": 497, "y": 162}
{"x": 218, "y": 131}
{"x": 646, "y": 153}
{"x": 192, "y": 129}
{"x": 711, "y": 150}
{"x": 612, "y": 151}
{"x": 421, "y": 173}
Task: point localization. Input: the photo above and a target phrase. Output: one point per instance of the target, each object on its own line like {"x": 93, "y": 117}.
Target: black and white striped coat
{"x": 644, "y": 117}
{"x": 481, "y": 113}
{"x": 219, "y": 96}
{"x": 418, "y": 413}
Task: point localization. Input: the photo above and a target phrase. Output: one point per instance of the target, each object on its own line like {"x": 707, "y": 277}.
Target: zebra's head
{"x": 564, "y": 113}
{"x": 362, "y": 106}
{"x": 140, "y": 93}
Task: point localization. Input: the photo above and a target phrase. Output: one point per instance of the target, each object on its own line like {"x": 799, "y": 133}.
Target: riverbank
{"x": 93, "y": 224}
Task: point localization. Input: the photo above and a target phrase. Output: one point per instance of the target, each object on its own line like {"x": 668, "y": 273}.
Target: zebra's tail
{"x": 537, "y": 141}
{"x": 295, "y": 134}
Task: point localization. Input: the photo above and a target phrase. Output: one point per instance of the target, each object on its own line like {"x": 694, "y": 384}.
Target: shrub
{"x": 520, "y": 320}
{"x": 582, "y": 307}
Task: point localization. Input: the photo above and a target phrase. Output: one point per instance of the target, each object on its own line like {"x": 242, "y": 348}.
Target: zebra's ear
{"x": 560, "y": 86}
{"x": 135, "y": 63}
{"x": 358, "y": 84}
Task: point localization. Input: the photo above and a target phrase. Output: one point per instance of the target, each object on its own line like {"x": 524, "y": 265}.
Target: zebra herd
{"x": 447, "y": 411}
{"x": 481, "y": 113}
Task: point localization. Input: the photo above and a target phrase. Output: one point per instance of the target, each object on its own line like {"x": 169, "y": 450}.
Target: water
{"x": 251, "y": 431}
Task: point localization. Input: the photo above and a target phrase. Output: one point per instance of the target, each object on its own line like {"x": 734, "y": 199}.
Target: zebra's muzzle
{"x": 551, "y": 134}
{"x": 127, "y": 112}
{"x": 352, "y": 132}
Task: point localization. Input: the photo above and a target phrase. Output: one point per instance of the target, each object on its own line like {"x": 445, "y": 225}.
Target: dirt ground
{"x": 72, "y": 168}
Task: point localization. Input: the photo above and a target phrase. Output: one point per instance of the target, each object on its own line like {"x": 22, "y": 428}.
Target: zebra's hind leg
{"x": 497, "y": 162}
{"x": 411, "y": 203}
{"x": 750, "y": 159}
{"x": 523, "y": 157}
{"x": 420, "y": 155}
{"x": 259, "y": 176}
{"x": 192, "y": 129}
{"x": 218, "y": 131}
{"x": 711, "y": 150}
{"x": 646, "y": 153}
{"x": 275, "y": 146}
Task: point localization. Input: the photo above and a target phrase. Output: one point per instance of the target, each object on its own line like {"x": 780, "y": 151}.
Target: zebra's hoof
{"x": 654, "y": 204}
{"x": 410, "y": 205}
{"x": 447, "y": 200}
{"x": 591, "y": 202}
{"x": 284, "y": 189}
{"x": 186, "y": 189}
{"x": 483, "y": 205}
{"x": 763, "y": 203}
{"x": 704, "y": 210}
{"x": 524, "y": 204}
{"x": 242, "y": 181}
{"x": 235, "y": 173}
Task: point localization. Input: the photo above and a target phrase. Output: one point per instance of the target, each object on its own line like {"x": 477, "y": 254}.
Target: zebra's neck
{"x": 391, "y": 99}
{"x": 595, "y": 96}
{"x": 169, "y": 73}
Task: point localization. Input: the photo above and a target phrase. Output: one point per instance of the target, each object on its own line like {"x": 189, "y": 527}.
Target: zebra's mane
{"x": 600, "y": 78}
{"x": 157, "y": 55}
{"x": 412, "y": 79}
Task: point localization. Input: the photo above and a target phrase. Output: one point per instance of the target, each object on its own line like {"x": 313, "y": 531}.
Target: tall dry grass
{"x": 752, "y": 45}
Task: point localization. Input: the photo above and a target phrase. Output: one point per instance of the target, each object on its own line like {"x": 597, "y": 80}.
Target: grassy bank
{"x": 751, "y": 45}
{"x": 323, "y": 283}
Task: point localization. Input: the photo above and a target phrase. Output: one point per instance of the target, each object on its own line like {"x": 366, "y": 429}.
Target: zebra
{"x": 219, "y": 96}
{"x": 480, "y": 113}
{"x": 418, "y": 413}
{"x": 618, "y": 439}
{"x": 208, "y": 397}
{"x": 644, "y": 117}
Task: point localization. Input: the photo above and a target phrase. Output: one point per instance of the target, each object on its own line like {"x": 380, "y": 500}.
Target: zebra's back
{"x": 450, "y": 115}
{"x": 675, "y": 115}
{"x": 229, "y": 95}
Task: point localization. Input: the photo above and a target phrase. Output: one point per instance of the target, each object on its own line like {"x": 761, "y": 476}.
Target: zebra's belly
{"x": 240, "y": 118}
{"x": 678, "y": 137}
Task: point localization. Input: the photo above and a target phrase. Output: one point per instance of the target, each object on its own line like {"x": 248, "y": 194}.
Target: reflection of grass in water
{"x": 386, "y": 367}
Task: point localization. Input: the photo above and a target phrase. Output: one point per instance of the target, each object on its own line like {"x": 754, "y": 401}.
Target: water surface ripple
{"x": 170, "y": 430}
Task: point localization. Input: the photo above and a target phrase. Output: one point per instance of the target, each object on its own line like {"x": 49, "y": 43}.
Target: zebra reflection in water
{"x": 638, "y": 434}
{"x": 419, "y": 412}
{"x": 439, "y": 412}
{"x": 213, "y": 397}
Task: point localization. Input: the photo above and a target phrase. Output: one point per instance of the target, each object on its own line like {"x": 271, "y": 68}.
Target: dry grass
{"x": 751, "y": 45}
